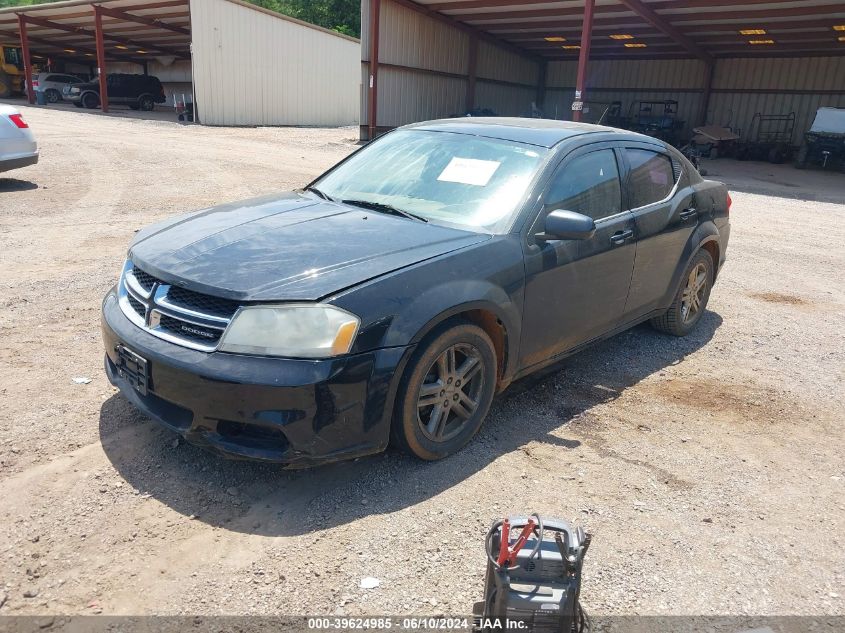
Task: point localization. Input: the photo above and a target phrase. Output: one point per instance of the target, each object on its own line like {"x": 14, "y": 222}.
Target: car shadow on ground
{"x": 263, "y": 499}
{"x": 13, "y": 184}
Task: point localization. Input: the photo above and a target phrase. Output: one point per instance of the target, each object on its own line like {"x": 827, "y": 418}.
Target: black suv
{"x": 139, "y": 92}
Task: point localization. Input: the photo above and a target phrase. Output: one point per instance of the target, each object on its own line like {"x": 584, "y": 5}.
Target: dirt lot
{"x": 709, "y": 469}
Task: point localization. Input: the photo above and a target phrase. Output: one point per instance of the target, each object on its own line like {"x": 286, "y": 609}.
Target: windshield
{"x": 439, "y": 176}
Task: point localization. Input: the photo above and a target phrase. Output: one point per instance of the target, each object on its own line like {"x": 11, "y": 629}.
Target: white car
{"x": 52, "y": 85}
{"x": 17, "y": 143}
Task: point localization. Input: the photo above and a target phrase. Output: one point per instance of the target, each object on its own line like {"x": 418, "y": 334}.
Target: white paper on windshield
{"x": 469, "y": 171}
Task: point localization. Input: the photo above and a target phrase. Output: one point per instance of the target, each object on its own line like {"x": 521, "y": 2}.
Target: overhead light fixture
{"x": 635, "y": 45}
{"x": 142, "y": 52}
{"x": 841, "y": 38}
{"x": 122, "y": 47}
{"x": 571, "y": 47}
{"x": 70, "y": 50}
{"x": 752, "y": 32}
{"x": 555, "y": 38}
{"x": 621, "y": 36}
{"x": 89, "y": 54}
{"x": 756, "y": 42}
{"x": 839, "y": 27}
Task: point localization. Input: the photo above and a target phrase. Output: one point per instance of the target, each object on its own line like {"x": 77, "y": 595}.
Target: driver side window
{"x": 588, "y": 184}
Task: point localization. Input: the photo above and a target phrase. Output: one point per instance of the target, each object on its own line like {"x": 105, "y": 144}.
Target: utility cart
{"x": 603, "y": 113}
{"x": 769, "y": 138}
{"x": 657, "y": 119}
{"x": 824, "y": 143}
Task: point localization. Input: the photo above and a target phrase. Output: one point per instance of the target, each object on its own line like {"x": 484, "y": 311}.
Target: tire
{"x": 90, "y": 100}
{"x": 420, "y": 428}
{"x": 52, "y": 95}
{"x": 5, "y": 85}
{"x": 146, "y": 103}
{"x": 681, "y": 317}
{"x": 776, "y": 155}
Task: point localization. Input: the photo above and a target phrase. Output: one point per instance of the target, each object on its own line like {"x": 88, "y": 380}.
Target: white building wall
{"x": 252, "y": 67}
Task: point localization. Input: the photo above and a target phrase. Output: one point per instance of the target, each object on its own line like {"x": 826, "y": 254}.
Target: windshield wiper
{"x": 316, "y": 191}
{"x": 384, "y": 208}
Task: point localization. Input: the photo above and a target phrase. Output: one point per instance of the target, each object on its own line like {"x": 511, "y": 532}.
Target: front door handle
{"x": 620, "y": 237}
{"x": 686, "y": 214}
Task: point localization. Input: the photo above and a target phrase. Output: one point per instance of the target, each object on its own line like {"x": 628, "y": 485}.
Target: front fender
{"x": 401, "y": 308}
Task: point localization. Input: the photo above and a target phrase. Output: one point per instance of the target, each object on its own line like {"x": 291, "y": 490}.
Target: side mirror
{"x": 568, "y": 225}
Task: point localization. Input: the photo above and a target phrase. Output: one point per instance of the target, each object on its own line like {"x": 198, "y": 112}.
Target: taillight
{"x": 17, "y": 119}
{"x": 34, "y": 83}
{"x": 730, "y": 202}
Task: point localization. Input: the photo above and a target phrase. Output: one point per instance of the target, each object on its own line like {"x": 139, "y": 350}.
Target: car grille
{"x": 178, "y": 315}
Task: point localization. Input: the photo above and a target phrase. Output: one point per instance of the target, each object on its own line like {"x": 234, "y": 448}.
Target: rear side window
{"x": 652, "y": 177}
{"x": 588, "y": 184}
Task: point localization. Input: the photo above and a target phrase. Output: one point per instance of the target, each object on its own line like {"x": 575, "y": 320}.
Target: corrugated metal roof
{"x": 713, "y": 27}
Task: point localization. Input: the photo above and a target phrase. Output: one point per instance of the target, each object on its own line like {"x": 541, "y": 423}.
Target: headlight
{"x": 75, "y": 91}
{"x": 295, "y": 330}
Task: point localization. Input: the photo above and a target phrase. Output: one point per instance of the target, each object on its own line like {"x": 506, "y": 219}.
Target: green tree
{"x": 343, "y": 16}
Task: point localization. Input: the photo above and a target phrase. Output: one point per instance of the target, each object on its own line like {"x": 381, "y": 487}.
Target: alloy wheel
{"x": 693, "y": 296}
{"x": 450, "y": 393}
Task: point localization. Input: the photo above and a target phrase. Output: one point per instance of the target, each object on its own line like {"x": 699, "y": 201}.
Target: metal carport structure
{"x": 718, "y": 58}
{"x": 246, "y": 65}
{"x": 79, "y": 31}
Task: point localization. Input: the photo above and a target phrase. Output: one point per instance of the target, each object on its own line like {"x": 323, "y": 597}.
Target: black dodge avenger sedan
{"x": 393, "y": 297}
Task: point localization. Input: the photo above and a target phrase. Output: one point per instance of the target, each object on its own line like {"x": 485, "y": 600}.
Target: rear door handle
{"x": 620, "y": 237}
{"x": 686, "y": 214}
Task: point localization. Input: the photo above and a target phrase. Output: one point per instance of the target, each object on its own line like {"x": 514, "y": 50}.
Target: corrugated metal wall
{"x": 254, "y": 68}
{"x": 423, "y": 70}
{"x": 741, "y": 87}
{"x": 681, "y": 80}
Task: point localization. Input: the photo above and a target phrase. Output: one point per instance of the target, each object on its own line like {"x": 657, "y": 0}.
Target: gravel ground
{"x": 709, "y": 469}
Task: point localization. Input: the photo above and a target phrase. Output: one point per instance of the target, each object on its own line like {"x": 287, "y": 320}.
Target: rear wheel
{"x": 146, "y": 103}
{"x": 90, "y": 100}
{"x": 52, "y": 95}
{"x": 446, "y": 392}
{"x": 691, "y": 299}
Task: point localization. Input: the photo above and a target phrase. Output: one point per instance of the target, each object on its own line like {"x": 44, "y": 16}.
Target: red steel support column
{"x": 584, "y": 56}
{"x": 101, "y": 58}
{"x": 27, "y": 59}
{"x": 472, "y": 72}
{"x": 372, "y": 98}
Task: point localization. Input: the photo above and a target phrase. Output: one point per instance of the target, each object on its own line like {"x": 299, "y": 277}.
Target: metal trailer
{"x": 824, "y": 143}
{"x": 769, "y": 138}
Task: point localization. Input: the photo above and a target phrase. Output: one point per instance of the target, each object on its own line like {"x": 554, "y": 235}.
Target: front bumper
{"x": 295, "y": 412}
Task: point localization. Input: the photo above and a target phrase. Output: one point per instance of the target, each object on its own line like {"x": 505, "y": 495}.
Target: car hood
{"x": 288, "y": 247}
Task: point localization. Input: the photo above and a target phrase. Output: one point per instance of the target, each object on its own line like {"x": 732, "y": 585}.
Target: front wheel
{"x": 445, "y": 393}
{"x": 691, "y": 299}
{"x": 90, "y": 100}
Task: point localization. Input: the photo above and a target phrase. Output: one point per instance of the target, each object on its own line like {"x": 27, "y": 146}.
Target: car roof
{"x": 541, "y": 132}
